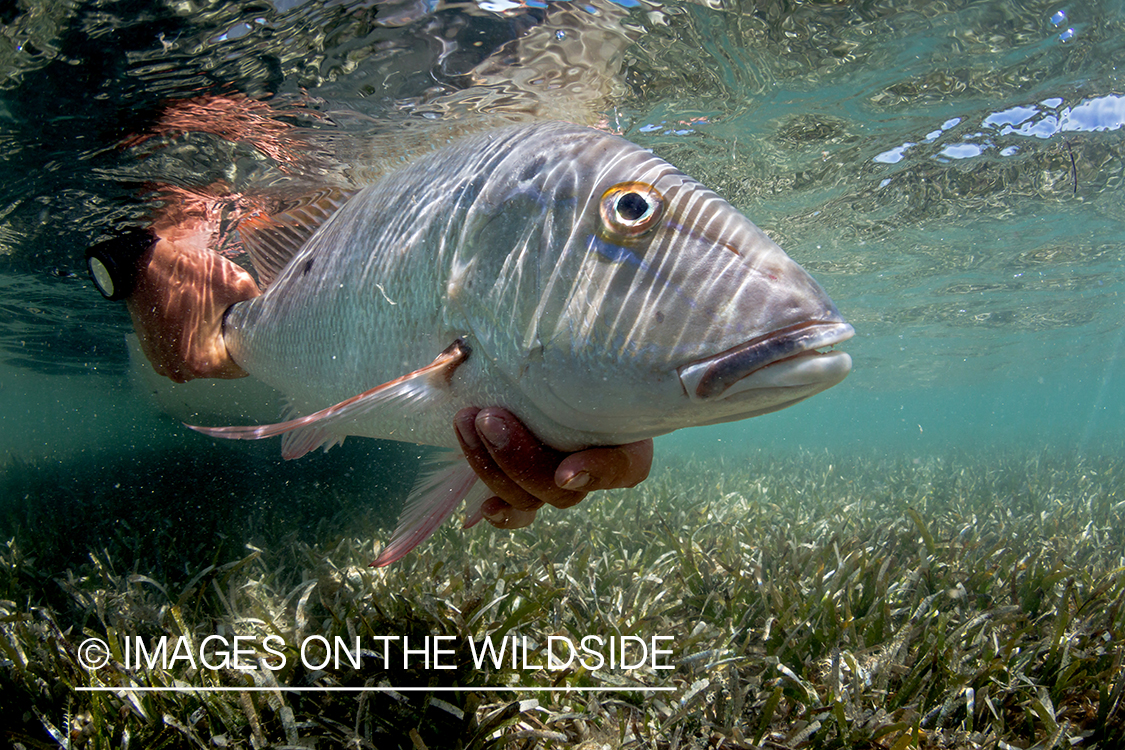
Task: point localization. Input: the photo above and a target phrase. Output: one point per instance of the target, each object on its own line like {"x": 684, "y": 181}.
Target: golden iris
{"x": 630, "y": 209}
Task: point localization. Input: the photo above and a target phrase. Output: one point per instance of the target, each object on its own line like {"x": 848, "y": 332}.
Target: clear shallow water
{"x": 952, "y": 173}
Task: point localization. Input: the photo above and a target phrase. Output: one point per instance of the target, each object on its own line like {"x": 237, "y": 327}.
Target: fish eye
{"x": 629, "y": 209}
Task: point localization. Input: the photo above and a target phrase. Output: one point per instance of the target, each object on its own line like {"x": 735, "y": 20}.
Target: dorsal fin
{"x": 272, "y": 240}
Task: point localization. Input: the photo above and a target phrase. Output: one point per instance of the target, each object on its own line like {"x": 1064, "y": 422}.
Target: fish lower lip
{"x": 710, "y": 378}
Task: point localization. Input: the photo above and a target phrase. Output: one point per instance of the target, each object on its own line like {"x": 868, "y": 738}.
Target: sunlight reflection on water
{"x": 1103, "y": 113}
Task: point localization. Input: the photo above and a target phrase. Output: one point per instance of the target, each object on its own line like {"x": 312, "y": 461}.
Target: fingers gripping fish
{"x": 557, "y": 271}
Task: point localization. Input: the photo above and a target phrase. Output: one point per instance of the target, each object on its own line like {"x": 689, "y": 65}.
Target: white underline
{"x": 337, "y": 689}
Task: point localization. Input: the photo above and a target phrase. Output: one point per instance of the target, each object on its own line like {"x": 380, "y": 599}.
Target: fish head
{"x": 656, "y": 304}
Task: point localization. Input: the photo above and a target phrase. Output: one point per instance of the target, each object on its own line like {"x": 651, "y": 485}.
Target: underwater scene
{"x": 928, "y": 552}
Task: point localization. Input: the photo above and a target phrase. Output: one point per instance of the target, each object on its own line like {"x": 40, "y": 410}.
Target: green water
{"x": 951, "y": 172}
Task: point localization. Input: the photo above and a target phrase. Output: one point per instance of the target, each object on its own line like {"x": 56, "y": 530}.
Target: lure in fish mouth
{"x": 788, "y": 357}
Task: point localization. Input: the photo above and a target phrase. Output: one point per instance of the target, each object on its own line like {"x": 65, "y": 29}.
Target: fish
{"x": 553, "y": 269}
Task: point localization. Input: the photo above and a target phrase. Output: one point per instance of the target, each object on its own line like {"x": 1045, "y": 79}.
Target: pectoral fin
{"x": 329, "y": 426}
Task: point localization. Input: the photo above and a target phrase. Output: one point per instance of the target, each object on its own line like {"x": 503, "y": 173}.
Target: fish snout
{"x": 787, "y": 360}
{"x": 768, "y": 343}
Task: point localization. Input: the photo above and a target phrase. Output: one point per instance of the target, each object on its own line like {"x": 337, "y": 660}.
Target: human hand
{"x": 524, "y": 473}
{"x": 183, "y": 289}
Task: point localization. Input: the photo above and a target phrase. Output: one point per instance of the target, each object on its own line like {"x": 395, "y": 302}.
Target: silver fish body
{"x": 592, "y": 289}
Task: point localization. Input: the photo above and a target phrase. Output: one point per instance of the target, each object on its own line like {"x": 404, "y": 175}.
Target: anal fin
{"x": 445, "y": 481}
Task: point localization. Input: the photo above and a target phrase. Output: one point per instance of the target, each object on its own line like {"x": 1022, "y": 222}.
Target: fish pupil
{"x": 632, "y": 206}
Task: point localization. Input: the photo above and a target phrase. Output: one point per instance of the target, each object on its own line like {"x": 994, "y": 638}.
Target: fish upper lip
{"x": 710, "y": 377}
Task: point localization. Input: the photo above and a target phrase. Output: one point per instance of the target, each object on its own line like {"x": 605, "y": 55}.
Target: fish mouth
{"x": 785, "y": 358}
